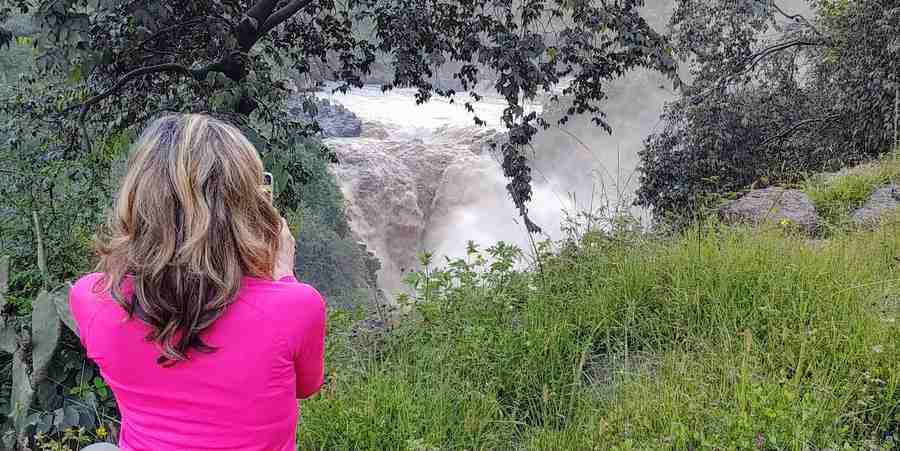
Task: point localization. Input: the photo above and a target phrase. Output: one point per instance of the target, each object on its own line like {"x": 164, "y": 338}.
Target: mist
{"x": 422, "y": 179}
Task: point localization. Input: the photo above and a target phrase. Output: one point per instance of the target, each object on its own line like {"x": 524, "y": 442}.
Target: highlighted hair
{"x": 189, "y": 223}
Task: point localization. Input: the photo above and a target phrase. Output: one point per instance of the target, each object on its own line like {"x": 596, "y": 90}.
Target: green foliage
{"x": 108, "y": 66}
{"x": 71, "y": 194}
{"x": 46, "y": 361}
{"x": 334, "y": 264}
{"x": 71, "y": 198}
{"x": 97, "y": 386}
{"x": 834, "y": 8}
{"x": 16, "y": 60}
{"x": 718, "y": 339}
{"x": 9, "y": 10}
{"x": 71, "y": 440}
{"x": 774, "y": 97}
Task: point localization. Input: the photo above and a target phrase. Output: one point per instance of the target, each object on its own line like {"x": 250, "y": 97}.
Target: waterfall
{"x": 422, "y": 178}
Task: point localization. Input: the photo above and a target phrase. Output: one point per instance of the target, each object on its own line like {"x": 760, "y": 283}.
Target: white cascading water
{"x": 421, "y": 178}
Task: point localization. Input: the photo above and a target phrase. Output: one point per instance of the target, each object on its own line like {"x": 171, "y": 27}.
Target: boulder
{"x": 773, "y": 205}
{"x": 882, "y": 202}
{"x": 337, "y": 121}
{"x": 334, "y": 120}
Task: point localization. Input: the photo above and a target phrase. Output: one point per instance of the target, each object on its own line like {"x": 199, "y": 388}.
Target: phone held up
{"x": 269, "y": 185}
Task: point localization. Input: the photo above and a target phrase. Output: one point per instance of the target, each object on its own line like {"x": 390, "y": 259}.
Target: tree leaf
{"x": 75, "y": 75}
{"x": 45, "y": 332}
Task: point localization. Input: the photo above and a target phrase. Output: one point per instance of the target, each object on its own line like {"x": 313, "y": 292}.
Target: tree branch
{"x": 262, "y": 9}
{"x": 797, "y": 18}
{"x": 261, "y": 19}
{"x": 258, "y": 21}
{"x": 169, "y": 67}
{"x": 41, "y": 251}
{"x": 82, "y": 122}
{"x": 163, "y": 31}
{"x": 754, "y": 59}
{"x": 220, "y": 65}
{"x": 790, "y": 130}
{"x": 247, "y": 31}
{"x": 282, "y": 15}
{"x": 84, "y": 107}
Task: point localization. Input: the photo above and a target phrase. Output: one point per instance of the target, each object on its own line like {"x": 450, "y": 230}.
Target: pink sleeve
{"x": 83, "y": 309}
{"x": 309, "y": 354}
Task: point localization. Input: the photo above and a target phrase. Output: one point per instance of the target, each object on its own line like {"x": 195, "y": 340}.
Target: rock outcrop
{"x": 334, "y": 120}
{"x": 401, "y": 192}
{"x": 773, "y": 205}
{"x": 383, "y": 204}
{"x": 882, "y": 202}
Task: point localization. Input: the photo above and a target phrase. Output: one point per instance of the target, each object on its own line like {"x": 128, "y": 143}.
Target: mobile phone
{"x": 269, "y": 185}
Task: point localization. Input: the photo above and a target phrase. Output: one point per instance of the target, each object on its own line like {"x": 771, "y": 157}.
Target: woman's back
{"x": 243, "y": 396}
{"x": 194, "y": 316}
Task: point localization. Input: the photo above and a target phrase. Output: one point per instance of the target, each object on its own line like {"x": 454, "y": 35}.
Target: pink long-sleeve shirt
{"x": 243, "y": 396}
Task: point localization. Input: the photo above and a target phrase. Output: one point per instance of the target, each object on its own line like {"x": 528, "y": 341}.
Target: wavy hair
{"x": 189, "y": 222}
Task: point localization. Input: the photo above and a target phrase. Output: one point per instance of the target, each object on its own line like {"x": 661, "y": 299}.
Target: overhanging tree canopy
{"x": 108, "y": 65}
{"x": 775, "y": 96}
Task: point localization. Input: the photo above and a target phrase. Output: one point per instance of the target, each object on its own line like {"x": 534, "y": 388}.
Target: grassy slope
{"x": 722, "y": 338}
{"x": 837, "y": 195}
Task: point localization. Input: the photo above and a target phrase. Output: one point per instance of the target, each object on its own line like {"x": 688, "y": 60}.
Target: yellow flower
{"x": 102, "y": 432}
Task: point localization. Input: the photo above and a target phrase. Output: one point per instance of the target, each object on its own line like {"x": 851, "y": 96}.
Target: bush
{"x": 336, "y": 265}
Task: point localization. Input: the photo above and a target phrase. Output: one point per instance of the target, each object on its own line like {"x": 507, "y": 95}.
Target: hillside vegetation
{"x": 836, "y": 195}
{"x": 719, "y": 338}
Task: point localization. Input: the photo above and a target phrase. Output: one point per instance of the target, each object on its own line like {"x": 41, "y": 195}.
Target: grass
{"x": 836, "y": 197}
{"x": 719, "y": 339}
{"x": 723, "y": 338}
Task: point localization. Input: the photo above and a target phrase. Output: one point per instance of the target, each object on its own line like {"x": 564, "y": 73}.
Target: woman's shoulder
{"x": 86, "y": 299}
{"x": 286, "y": 295}
{"x": 88, "y": 284}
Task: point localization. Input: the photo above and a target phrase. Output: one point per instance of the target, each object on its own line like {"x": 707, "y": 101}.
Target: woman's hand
{"x": 284, "y": 259}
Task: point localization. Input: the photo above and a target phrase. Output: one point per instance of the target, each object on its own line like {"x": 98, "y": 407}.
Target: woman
{"x": 194, "y": 316}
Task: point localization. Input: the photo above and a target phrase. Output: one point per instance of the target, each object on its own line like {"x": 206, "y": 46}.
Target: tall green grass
{"x": 722, "y": 338}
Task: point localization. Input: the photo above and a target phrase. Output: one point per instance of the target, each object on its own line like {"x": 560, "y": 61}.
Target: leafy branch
{"x": 230, "y": 64}
{"x": 282, "y": 15}
{"x": 788, "y": 131}
{"x": 751, "y": 62}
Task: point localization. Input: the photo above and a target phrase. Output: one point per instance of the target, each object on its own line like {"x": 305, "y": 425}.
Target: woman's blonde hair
{"x": 189, "y": 223}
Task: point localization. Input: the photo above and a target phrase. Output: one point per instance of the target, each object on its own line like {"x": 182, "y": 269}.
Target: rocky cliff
{"x": 402, "y": 194}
